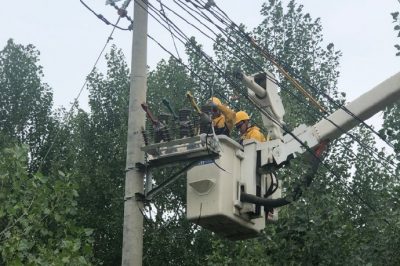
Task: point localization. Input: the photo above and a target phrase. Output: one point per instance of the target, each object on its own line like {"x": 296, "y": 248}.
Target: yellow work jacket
{"x": 253, "y": 132}
{"x": 223, "y": 124}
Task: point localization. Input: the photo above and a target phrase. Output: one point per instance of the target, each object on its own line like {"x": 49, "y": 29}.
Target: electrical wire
{"x": 178, "y": 60}
{"x": 75, "y": 102}
{"x": 236, "y": 48}
{"x": 152, "y": 193}
{"x": 181, "y": 17}
{"x": 283, "y": 71}
{"x": 285, "y": 129}
{"x": 102, "y": 18}
{"x": 123, "y": 13}
{"x": 383, "y": 160}
{"x": 264, "y": 51}
{"x": 203, "y": 54}
{"x": 169, "y": 27}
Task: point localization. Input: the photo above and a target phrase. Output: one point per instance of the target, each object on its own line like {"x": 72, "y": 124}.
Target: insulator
{"x": 170, "y": 126}
{"x": 185, "y": 114}
{"x": 145, "y": 137}
{"x": 161, "y": 133}
{"x": 164, "y": 118}
{"x": 158, "y": 135}
{"x": 185, "y": 123}
{"x": 166, "y": 136}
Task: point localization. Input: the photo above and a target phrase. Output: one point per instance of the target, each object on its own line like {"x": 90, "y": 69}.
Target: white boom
{"x": 363, "y": 107}
{"x": 340, "y": 121}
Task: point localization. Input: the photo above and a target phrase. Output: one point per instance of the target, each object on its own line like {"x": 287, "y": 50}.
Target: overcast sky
{"x": 70, "y": 38}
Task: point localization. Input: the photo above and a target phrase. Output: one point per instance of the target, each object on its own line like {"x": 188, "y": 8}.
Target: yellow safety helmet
{"x": 241, "y": 116}
{"x": 216, "y": 101}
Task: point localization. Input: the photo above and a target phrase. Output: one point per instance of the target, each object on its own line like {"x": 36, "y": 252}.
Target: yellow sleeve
{"x": 257, "y": 135}
{"x": 219, "y": 122}
{"x": 230, "y": 116}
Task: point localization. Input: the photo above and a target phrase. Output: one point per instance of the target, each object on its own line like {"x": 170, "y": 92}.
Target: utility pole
{"x": 132, "y": 246}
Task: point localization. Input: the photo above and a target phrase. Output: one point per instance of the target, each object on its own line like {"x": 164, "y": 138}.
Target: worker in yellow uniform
{"x": 247, "y": 131}
{"x": 223, "y": 118}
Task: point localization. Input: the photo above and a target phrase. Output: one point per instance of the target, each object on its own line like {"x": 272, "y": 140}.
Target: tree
{"x": 310, "y": 230}
{"x": 26, "y": 102}
{"x": 330, "y": 224}
{"x": 38, "y": 216}
{"x": 396, "y": 20}
{"x": 96, "y": 149}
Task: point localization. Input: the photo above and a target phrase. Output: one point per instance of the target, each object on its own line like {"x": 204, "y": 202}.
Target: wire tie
{"x": 122, "y": 12}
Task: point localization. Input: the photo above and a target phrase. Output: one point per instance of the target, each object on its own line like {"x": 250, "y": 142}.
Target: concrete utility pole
{"x": 132, "y": 247}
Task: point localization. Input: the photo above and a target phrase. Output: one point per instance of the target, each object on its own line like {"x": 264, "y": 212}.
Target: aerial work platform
{"x": 224, "y": 169}
{"x": 229, "y": 185}
{"x": 213, "y": 193}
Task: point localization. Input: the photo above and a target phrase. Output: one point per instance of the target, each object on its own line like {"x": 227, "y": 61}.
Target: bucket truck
{"x": 227, "y": 183}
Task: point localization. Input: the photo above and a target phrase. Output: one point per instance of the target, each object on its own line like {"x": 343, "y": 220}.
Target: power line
{"x": 169, "y": 27}
{"x": 123, "y": 13}
{"x": 370, "y": 149}
{"x": 181, "y": 34}
{"x": 203, "y": 53}
{"x": 262, "y": 49}
{"x": 284, "y": 128}
{"x": 75, "y": 102}
{"x": 303, "y": 144}
{"x": 354, "y": 192}
{"x": 102, "y": 18}
{"x": 280, "y": 84}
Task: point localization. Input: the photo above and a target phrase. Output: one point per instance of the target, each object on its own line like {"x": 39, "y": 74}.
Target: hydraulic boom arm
{"x": 363, "y": 108}
{"x": 340, "y": 121}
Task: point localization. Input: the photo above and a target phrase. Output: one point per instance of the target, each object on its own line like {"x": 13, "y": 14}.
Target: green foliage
{"x": 96, "y": 154}
{"x": 37, "y": 216}
{"x": 25, "y": 103}
{"x": 396, "y": 21}
{"x": 349, "y": 217}
{"x": 38, "y": 213}
{"x": 333, "y": 223}
{"x": 295, "y": 39}
{"x": 391, "y": 125}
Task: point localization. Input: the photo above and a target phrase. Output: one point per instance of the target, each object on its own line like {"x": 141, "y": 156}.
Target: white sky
{"x": 70, "y": 38}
